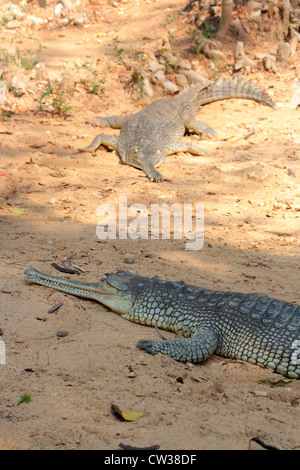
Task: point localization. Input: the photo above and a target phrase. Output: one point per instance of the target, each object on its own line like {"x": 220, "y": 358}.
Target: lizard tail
{"x": 227, "y": 89}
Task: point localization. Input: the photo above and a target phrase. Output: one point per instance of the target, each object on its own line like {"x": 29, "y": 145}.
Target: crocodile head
{"x": 113, "y": 290}
{"x": 147, "y": 157}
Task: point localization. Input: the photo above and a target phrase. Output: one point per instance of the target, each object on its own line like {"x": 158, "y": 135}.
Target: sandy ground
{"x": 248, "y": 183}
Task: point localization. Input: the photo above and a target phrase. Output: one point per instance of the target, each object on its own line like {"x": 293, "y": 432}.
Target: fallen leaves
{"x": 125, "y": 415}
{"x": 16, "y": 210}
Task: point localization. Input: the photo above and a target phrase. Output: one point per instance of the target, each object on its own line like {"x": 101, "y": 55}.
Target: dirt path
{"x": 49, "y": 194}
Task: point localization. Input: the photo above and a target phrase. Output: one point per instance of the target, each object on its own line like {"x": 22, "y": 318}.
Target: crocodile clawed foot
{"x": 86, "y": 149}
{"x": 209, "y": 133}
{"x": 156, "y": 177}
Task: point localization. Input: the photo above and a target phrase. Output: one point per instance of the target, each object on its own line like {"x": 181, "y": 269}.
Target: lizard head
{"x": 147, "y": 157}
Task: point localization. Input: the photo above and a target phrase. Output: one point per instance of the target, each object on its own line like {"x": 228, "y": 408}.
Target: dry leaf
{"x": 272, "y": 382}
{"x": 126, "y": 415}
{"x": 16, "y": 210}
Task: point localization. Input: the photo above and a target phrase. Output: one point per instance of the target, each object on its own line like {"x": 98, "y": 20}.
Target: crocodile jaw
{"x": 104, "y": 293}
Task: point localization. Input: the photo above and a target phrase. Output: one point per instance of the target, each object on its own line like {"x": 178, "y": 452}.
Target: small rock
{"x": 129, "y": 258}
{"x": 218, "y": 387}
{"x": 52, "y": 200}
{"x": 159, "y": 77}
{"x": 3, "y": 91}
{"x": 295, "y": 100}
{"x": 67, "y": 84}
{"x": 63, "y": 21}
{"x": 41, "y": 71}
{"x": 155, "y": 66}
{"x": 184, "y": 65}
{"x": 194, "y": 78}
{"x": 58, "y": 9}
{"x": 147, "y": 88}
{"x": 19, "y": 85}
{"x": 78, "y": 21}
{"x": 131, "y": 375}
{"x": 283, "y": 55}
{"x": 170, "y": 87}
{"x": 69, "y": 4}
{"x": 62, "y": 333}
{"x": 13, "y": 24}
{"x": 34, "y": 21}
{"x": 269, "y": 63}
{"x": 41, "y": 318}
{"x": 181, "y": 80}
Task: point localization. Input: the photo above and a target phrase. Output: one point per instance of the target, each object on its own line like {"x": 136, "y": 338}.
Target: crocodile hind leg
{"x": 178, "y": 146}
{"x": 115, "y": 122}
{"x": 101, "y": 139}
{"x": 200, "y": 128}
{"x": 195, "y": 349}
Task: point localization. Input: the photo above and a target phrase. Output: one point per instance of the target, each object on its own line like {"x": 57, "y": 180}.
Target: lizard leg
{"x": 175, "y": 147}
{"x": 195, "y": 349}
{"x": 108, "y": 140}
{"x": 148, "y": 168}
{"x": 152, "y": 173}
{"x": 115, "y": 122}
{"x": 200, "y": 128}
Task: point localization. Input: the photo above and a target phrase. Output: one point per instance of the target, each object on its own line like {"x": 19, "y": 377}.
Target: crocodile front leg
{"x": 195, "y": 349}
{"x": 102, "y": 139}
{"x": 200, "y": 128}
{"x": 178, "y": 146}
{"x": 115, "y": 122}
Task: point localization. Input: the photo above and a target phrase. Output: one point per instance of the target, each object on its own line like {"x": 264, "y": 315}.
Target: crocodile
{"x": 250, "y": 327}
{"x": 147, "y": 136}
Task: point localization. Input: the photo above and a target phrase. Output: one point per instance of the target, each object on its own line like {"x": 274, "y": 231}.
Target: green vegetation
{"x": 196, "y": 47}
{"x": 94, "y": 86}
{"x": 24, "y": 57}
{"x": 58, "y": 101}
{"x": 116, "y": 47}
{"x": 6, "y": 114}
{"x": 24, "y": 399}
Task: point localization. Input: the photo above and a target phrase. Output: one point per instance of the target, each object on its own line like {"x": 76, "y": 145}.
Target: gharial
{"x": 251, "y": 327}
{"x": 147, "y": 136}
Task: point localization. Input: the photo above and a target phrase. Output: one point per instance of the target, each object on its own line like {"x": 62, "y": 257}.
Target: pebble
{"x": 129, "y": 259}
{"x": 147, "y": 88}
{"x": 159, "y": 77}
{"x": 131, "y": 375}
{"x": 58, "y": 9}
{"x": 156, "y": 66}
{"x": 63, "y": 21}
{"x": 62, "y": 333}
{"x": 34, "y": 21}
{"x": 78, "y": 21}
{"x": 41, "y": 318}
{"x": 169, "y": 86}
{"x": 194, "y": 78}
{"x": 13, "y": 24}
{"x": 3, "y": 91}
{"x": 52, "y": 200}
{"x": 181, "y": 80}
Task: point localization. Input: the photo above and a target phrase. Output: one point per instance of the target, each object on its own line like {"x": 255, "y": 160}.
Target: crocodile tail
{"x": 227, "y": 89}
